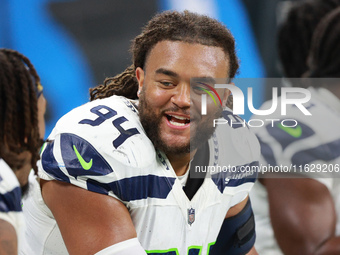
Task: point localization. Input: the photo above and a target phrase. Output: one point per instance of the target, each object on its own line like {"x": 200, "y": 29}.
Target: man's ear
{"x": 226, "y": 94}
{"x": 140, "y": 78}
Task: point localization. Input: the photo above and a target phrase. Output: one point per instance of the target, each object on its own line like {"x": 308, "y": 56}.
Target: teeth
{"x": 179, "y": 117}
{"x": 177, "y": 123}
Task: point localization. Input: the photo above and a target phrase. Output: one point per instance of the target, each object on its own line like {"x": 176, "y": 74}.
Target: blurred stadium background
{"x": 75, "y": 44}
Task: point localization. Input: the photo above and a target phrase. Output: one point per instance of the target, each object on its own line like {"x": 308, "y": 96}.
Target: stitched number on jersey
{"x": 124, "y": 134}
{"x": 105, "y": 113}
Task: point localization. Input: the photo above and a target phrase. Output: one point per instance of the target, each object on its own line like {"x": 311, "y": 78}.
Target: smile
{"x": 178, "y": 121}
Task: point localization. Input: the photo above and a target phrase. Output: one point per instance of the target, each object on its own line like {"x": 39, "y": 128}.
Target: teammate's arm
{"x": 89, "y": 222}
{"x": 233, "y": 211}
{"x": 303, "y": 216}
{"x": 8, "y": 239}
{"x": 237, "y": 233}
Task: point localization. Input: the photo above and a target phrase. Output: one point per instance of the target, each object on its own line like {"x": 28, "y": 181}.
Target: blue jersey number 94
{"x": 109, "y": 113}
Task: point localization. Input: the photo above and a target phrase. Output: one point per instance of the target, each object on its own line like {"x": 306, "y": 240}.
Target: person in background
{"x": 22, "y": 128}
{"x": 295, "y": 33}
{"x": 300, "y": 213}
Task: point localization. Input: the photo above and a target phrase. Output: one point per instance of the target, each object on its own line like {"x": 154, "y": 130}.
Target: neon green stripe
{"x": 209, "y": 94}
{"x": 42, "y": 148}
{"x": 163, "y": 251}
{"x": 196, "y": 247}
{"x": 210, "y": 244}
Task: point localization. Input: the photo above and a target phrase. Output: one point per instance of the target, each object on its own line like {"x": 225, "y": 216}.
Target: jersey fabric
{"x": 315, "y": 140}
{"x": 10, "y": 199}
{"x": 102, "y": 147}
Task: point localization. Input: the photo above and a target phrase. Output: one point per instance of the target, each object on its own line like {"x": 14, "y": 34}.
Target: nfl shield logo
{"x": 191, "y": 216}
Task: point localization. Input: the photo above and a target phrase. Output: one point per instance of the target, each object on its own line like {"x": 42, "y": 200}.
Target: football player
{"x": 114, "y": 174}
{"x": 22, "y": 127}
{"x": 301, "y": 215}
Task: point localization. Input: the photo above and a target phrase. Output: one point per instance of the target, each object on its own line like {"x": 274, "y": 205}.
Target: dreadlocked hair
{"x": 19, "y": 130}
{"x": 296, "y": 32}
{"x": 324, "y": 59}
{"x": 124, "y": 84}
{"x": 173, "y": 26}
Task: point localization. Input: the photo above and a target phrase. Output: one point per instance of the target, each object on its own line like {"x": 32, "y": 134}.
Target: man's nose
{"x": 181, "y": 97}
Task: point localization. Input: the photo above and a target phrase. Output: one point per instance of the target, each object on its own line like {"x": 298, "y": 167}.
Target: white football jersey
{"x": 10, "y": 199}
{"x": 314, "y": 143}
{"x": 102, "y": 147}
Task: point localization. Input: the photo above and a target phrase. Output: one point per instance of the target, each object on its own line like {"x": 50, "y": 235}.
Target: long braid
{"x": 18, "y": 109}
{"x": 123, "y": 84}
{"x": 34, "y": 138}
{"x": 173, "y": 26}
{"x": 29, "y": 97}
{"x": 324, "y": 59}
{"x": 22, "y": 87}
{"x": 8, "y": 104}
{"x": 9, "y": 100}
{"x": 296, "y": 32}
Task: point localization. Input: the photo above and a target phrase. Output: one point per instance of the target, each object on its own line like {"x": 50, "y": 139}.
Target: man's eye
{"x": 197, "y": 89}
{"x": 166, "y": 83}
{"x": 200, "y": 89}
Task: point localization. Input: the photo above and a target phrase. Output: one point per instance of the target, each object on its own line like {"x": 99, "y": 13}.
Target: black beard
{"x": 203, "y": 133}
{"x": 151, "y": 125}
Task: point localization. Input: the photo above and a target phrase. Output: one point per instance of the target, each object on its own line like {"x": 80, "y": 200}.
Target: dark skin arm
{"x": 8, "y": 239}
{"x": 88, "y": 221}
{"x": 107, "y": 220}
{"x": 303, "y": 216}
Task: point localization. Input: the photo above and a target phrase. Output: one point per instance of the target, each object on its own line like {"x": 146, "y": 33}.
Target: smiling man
{"x": 115, "y": 174}
{"x": 165, "y": 106}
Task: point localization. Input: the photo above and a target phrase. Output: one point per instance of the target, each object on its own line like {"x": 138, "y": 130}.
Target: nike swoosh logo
{"x": 84, "y": 164}
{"x": 293, "y": 131}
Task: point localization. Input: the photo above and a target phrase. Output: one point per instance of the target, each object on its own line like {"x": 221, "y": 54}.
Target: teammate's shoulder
{"x": 316, "y": 107}
{"x": 292, "y": 123}
{"x": 10, "y": 193}
{"x": 8, "y": 180}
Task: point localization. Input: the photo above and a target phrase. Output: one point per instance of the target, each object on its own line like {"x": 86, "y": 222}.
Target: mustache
{"x": 176, "y": 109}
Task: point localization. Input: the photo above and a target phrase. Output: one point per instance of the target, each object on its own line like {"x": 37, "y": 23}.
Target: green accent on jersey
{"x": 293, "y": 131}
{"x": 84, "y": 164}
{"x": 209, "y": 246}
{"x": 42, "y": 148}
{"x": 195, "y": 248}
{"x": 163, "y": 251}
